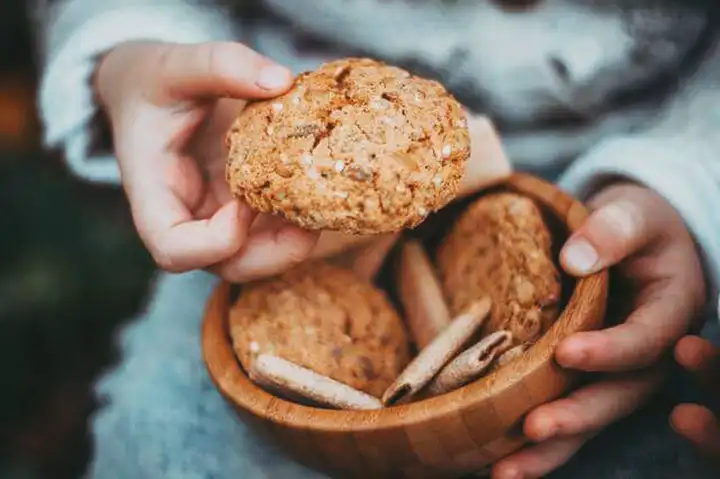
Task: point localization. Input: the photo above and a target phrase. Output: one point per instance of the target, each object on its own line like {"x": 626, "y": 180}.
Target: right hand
{"x": 162, "y": 101}
{"x": 169, "y": 107}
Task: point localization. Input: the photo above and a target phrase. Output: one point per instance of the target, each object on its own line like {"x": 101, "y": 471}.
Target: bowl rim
{"x": 235, "y": 386}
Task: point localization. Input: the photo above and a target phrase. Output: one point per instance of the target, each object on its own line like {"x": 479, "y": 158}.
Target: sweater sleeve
{"x": 74, "y": 33}
{"x": 678, "y": 156}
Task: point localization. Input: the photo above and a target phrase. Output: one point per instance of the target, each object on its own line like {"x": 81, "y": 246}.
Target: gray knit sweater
{"x": 628, "y": 87}
{"x": 581, "y": 88}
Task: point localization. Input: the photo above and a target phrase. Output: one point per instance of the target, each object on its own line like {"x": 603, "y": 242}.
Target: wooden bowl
{"x": 445, "y": 436}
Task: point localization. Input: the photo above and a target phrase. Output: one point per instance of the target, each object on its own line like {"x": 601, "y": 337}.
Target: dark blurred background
{"x": 71, "y": 269}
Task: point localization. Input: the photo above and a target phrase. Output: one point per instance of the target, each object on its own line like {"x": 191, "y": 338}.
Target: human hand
{"x": 636, "y": 231}
{"x": 163, "y": 100}
{"x": 696, "y": 423}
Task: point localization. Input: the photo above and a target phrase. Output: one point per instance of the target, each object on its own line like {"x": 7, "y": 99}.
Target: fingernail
{"x": 581, "y": 256}
{"x": 273, "y": 77}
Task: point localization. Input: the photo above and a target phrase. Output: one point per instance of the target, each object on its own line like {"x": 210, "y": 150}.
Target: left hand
{"x": 636, "y": 231}
{"x": 699, "y": 424}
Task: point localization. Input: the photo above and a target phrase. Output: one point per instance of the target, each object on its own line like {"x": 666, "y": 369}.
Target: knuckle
{"x": 163, "y": 258}
{"x": 208, "y": 54}
{"x": 622, "y": 218}
{"x": 164, "y": 261}
{"x": 166, "y": 57}
{"x": 616, "y": 229}
{"x": 212, "y": 55}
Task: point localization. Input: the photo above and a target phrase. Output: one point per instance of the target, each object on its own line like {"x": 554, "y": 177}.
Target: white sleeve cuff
{"x": 686, "y": 173}
{"x": 66, "y": 97}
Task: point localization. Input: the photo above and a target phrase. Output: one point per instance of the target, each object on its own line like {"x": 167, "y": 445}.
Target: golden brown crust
{"x": 356, "y": 146}
{"x": 326, "y": 319}
{"x": 501, "y": 246}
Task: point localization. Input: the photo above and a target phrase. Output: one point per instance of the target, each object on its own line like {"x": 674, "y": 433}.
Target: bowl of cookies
{"x": 416, "y": 343}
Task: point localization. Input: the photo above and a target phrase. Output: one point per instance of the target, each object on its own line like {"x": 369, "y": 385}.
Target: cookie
{"x": 326, "y": 319}
{"x": 356, "y": 146}
{"x": 501, "y": 247}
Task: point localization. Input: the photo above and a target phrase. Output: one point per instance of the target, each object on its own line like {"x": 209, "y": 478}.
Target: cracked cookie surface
{"x": 501, "y": 247}
{"x": 356, "y": 146}
{"x": 326, "y": 319}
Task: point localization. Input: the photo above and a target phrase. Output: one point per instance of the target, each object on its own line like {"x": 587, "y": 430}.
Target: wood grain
{"x": 442, "y": 436}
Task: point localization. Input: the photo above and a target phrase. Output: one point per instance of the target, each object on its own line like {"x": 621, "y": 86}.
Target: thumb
{"x": 215, "y": 70}
{"x": 617, "y": 229}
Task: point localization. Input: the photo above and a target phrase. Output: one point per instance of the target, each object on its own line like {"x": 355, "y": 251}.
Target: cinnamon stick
{"x": 286, "y": 377}
{"x": 509, "y": 355}
{"x": 421, "y": 295}
{"x": 438, "y": 353}
{"x": 471, "y": 364}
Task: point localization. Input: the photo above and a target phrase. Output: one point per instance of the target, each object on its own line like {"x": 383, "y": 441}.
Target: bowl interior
{"x": 433, "y": 231}
{"x": 524, "y": 383}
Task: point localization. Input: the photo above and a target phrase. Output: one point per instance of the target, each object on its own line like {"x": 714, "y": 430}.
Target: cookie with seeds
{"x": 356, "y": 146}
{"x": 323, "y": 318}
{"x": 502, "y": 247}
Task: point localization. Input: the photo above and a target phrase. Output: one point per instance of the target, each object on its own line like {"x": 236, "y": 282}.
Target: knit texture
{"x": 628, "y": 87}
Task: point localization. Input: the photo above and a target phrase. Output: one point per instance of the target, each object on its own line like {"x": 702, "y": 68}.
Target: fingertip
{"x": 611, "y": 233}
{"x": 539, "y": 425}
{"x": 679, "y": 417}
{"x": 574, "y": 352}
{"x": 506, "y": 470}
{"x": 691, "y": 421}
{"x": 274, "y": 78}
{"x": 579, "y": 257}
{"x": 223, "y": 69}
{"x": 693, "y": 352}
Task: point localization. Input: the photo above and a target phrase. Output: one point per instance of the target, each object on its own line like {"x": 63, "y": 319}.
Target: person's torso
{"x": 556, "y": 76}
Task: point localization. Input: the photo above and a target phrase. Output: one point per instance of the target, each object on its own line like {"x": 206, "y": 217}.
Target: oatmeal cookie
{"x": 356, "y": 146}
{"x": 326, "y": 319}
{"x": 501, "y": 247}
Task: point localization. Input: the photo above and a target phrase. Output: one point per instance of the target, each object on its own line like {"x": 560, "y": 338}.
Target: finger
{"x": 267, "y": 253}
{"x": 367, "y": 260}
{"x": 592, "y": 408}
{"x": 186, "y": 244}
{"x": 611, "y": 233}
{"x": 332, "y": 243}
{"x": 219, "y": 70}
{"x": 329, "y": 243}
{"x": 702, "y": 358}
{"x": 162, "y": 201}
{"x": 638, "y": 342}
{"x": 698, "y": 425}
{"x": 218, "y": 194}
{"x": 539, "y": 460}
{"x": 695, "y": 353}
{"x": 488, "y": 162}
